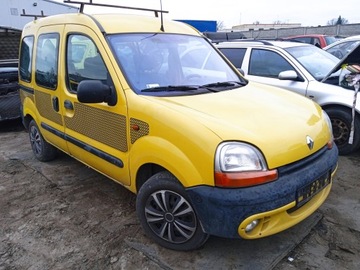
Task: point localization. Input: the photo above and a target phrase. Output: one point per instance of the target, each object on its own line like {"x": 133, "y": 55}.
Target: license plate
{"x": 305, "y": 193}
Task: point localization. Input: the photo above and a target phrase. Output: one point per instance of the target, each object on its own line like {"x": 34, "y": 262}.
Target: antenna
{"x": 162, "y": 22}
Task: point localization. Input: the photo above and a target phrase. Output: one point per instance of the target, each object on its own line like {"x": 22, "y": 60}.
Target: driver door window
{"x": 267, "y": 63}
{"x": 84, "y": 62}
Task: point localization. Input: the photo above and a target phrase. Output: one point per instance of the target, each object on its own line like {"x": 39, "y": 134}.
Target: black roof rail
{"x": 223, "y": 36}
{"x": 90, "y": 3}
{"x": 262, "y": 41}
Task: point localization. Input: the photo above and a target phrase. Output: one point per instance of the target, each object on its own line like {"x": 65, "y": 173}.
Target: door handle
{"x": 68, "y": 105}
{"x": 55, "y": 104}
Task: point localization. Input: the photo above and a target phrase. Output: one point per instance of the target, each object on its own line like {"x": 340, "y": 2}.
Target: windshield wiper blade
{"x": 223, "y": 84}
{"x": 220, "y": 86}
{"x": 170, "y": 88}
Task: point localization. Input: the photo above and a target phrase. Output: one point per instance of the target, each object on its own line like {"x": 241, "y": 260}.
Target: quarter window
{"x": 46, "y": 63}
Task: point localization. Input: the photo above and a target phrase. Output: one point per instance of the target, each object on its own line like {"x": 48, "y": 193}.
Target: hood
{"x": 276, "y": 121}
{"x": 351, "y": 58}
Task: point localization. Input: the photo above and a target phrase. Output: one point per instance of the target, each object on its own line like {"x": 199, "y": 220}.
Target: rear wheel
{"x": 42, "y": 150}
{"x": 341, "y": 124}
{"x": 166, "y": 214}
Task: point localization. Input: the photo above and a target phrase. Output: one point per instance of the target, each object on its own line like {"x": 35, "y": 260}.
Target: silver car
{"x": 307, "y": 70}
{"x": 343, "y": 46}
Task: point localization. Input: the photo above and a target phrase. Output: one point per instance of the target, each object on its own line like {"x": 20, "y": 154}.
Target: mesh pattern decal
{"x": 45, "y": 108}
{"x": 106, "y": 127}
{"x": 24, "y": 95}
{"x": 138, "y": 129}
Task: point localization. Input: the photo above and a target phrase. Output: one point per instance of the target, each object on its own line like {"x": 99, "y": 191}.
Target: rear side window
{"x": 25, "y": 58}
{"x": 267, "y": 63}
{"x": 46, "y": 63}
{"x": 236, "y": 56}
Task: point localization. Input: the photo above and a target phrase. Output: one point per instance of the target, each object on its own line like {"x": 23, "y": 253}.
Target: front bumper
{"x": 226, "y": 212}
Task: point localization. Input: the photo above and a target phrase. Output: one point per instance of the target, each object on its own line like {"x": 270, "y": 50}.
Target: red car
{"x": 320, "y": 41}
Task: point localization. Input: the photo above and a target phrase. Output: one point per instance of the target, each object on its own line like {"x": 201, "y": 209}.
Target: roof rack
{"x": 223, "y": 36}
{"x": 32, "y": 15}
{"x": 90, "y": 3}
{"x": 262, "y": 41}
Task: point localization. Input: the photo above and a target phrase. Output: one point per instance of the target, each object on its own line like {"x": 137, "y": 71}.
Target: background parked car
{"x": 342, "y": 47}
{"x": 320, "y": 41}
{"x": 300, "y": 68}
{"x": 9, "y": 91}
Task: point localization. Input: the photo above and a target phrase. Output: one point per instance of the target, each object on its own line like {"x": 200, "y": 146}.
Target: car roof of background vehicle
{"x": 254, "y": 43}
{"x": 355, "y": 38}
{"x": 353, "y": 57}
{"x": 309, "y": 35}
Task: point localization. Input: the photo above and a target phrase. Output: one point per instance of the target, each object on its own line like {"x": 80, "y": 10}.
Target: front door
{"x": 96, "y": 133}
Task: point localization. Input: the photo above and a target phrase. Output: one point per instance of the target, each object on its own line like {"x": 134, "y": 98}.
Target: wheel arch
{"x": 153, "y": 154}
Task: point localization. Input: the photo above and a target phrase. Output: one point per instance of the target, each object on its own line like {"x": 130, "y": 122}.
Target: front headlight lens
{"x": 241, "y": 165}
{"x": 328, "y": 122}
{"x": 236, "y": 157}
{"x": 330, "y": 144}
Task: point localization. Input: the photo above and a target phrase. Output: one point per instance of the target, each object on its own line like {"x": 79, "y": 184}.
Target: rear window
{"x": 25, "y": 58}
{"x": 330, "y": 39}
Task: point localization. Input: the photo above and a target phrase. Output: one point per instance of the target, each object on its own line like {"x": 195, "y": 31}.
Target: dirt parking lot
{"x": 63, "y": 215}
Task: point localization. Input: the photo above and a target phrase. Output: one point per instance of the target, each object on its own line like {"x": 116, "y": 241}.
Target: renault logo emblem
{"x": 309, "y": 142}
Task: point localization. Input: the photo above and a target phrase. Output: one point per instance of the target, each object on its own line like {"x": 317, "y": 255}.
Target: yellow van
{"x": 151, "y": 104}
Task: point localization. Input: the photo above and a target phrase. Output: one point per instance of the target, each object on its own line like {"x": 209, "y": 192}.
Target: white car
{"x": 307, "y": 70}
{"x": 343, "y": 46}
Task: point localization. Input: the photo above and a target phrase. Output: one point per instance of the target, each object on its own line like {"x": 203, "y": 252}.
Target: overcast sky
{"x": 234, "y": 12}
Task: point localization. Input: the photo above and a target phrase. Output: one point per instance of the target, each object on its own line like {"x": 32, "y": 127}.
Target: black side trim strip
{"x": 86, "y": 147}
{"x": 27, "y": 89}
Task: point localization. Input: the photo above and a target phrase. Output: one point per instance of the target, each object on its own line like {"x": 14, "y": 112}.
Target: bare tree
{"x": 337, "y": 21}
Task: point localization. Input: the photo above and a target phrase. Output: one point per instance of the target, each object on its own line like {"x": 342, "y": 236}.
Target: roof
{"x": 116, "y": 23}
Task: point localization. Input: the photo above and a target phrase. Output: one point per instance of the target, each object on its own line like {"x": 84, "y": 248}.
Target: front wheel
{"x": 341, "y": 124}
{"x": 42, "y": 150}
{"x": 166, "y": 214}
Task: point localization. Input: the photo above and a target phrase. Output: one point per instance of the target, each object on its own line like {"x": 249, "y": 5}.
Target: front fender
{"x": 192, "y": 167}
{"x": 327, "y": 95}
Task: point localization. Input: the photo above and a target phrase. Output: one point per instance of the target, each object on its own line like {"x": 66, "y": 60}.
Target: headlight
{"x": 328, "y": 122}
{"x": 329, "y": 125}
{"x": 240, "y": 165}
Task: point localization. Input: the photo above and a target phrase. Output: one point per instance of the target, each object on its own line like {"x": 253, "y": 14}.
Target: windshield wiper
{"x": 170, "y": 88}
{"x": 218, "y": 86}
{"x": 223, "y": 84}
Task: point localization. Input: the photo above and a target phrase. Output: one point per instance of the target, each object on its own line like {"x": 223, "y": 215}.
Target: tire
{"x": 42, "y": 150}
{"x": 166, "y": 214}
{"x": 341, "y": 124}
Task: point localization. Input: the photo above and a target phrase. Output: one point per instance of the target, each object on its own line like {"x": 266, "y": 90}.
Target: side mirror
{"x": 288, "y": 75}
{"x": 241, "y": 71}
{"x": 94, "y": 91}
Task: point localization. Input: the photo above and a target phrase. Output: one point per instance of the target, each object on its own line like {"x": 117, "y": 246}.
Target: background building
{"x": 11, "y": 11}
{"x": 12, "y": 21}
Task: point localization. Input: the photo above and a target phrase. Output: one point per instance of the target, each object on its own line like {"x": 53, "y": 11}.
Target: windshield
{"x": 316, "y": 61}
{"x": 155, "y": 63}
